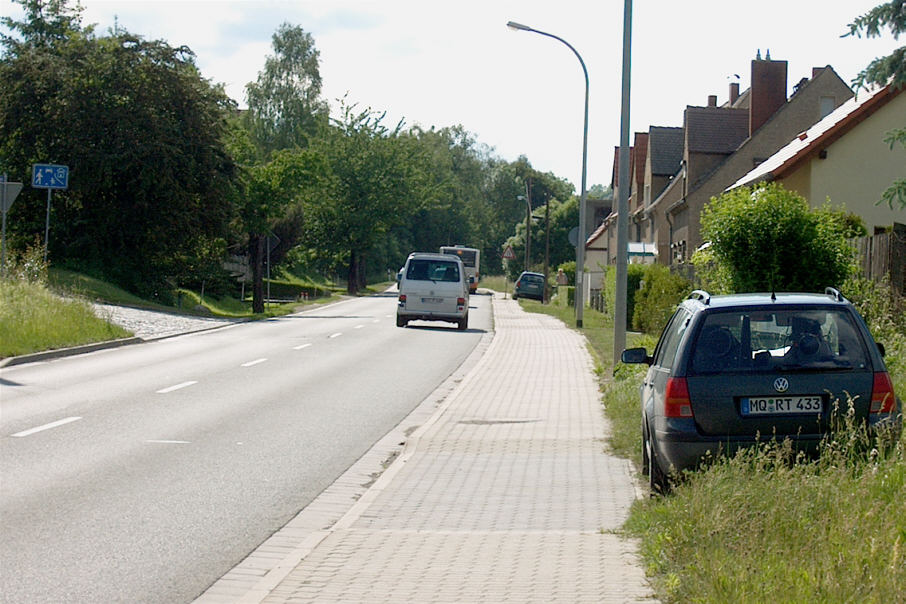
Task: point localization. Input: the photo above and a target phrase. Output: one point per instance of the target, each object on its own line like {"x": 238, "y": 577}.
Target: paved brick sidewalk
{"x": 504, "y": 494}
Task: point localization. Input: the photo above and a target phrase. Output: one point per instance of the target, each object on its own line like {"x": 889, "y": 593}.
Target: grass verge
{"x": 33, "y": 319}
{"x": 766, "y": 527}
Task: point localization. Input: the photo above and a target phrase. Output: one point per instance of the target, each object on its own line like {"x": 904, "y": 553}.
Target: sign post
{"x": 507, "y": 255}
{"x": 8, "y": 193}
{"x": 50, "y": 177}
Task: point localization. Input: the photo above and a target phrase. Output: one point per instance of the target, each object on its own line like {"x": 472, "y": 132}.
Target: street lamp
{"x": 580, "y": 247}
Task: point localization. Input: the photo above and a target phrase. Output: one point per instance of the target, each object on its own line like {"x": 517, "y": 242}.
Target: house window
{"x": 826, "y": 105}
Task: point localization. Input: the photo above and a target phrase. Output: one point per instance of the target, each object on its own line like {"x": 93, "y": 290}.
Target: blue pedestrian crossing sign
{"x": 49, "y": 176}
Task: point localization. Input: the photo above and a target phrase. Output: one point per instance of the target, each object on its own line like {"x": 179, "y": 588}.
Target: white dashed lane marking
{"x": 176, "y": 387}
{"x": 255, "y": 362}
{"x": 168, "y": 442}
{"x": 46, "y": 426}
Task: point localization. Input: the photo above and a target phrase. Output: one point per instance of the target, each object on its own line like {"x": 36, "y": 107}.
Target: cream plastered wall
{"x": 858, "y": 168}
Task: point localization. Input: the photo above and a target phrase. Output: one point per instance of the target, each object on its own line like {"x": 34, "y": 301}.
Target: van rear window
{"x": 432, "y": 270}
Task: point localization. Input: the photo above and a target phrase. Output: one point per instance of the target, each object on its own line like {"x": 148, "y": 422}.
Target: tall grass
{"x": 768, "y": 526}
{"x": 33, "y": 319}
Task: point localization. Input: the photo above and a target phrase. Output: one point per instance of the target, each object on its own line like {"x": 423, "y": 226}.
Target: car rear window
{"x": 778, "y": 339}
{"x": 421, "y": 269}
{"x": 532, "y": 279}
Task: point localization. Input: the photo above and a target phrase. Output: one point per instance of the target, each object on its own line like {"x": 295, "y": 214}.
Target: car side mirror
{"x": 881, "y": 349}
{"x": 635, "y": 355}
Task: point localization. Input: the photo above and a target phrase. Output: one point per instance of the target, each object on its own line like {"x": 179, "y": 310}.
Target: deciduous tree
{"x": 285, "y": 108}
{"x": 140, "y": 130}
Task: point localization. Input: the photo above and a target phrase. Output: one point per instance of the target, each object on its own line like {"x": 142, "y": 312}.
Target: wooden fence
{"x": 884, "y": 254}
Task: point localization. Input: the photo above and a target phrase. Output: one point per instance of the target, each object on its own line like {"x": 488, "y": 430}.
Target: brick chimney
{"x": 734, "y": 92}
{"x": 768, "y": 93}
{"x": 712, "y": 100}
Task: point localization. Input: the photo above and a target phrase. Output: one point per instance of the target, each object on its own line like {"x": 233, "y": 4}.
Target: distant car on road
{"x": 529, "y": 285}
{"x": 433, "y": 287}
{"x": 729, "y": 371}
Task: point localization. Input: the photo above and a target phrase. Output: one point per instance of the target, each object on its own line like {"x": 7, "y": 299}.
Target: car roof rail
{"x": 834, "y": 293}
{"x": 700, "y": 294}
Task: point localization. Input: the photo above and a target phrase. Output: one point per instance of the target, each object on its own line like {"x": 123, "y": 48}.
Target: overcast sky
{"x": 442, "y": 64}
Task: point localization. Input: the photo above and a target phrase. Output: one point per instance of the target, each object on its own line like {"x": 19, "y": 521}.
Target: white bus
{"x": 469, "y": 257}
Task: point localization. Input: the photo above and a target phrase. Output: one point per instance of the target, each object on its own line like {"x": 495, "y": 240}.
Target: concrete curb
{"x": 66, "y": 352}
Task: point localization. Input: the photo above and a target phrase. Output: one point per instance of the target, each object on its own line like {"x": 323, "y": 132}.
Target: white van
{"x": 433, "y": 287}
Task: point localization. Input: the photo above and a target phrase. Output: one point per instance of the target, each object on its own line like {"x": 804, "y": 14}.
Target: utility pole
{"x": 528, "y": 224}
{"x": 620, "y": 298}
{"x": 547, "y": 244}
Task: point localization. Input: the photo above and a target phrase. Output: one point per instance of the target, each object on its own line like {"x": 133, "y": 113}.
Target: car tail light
{"x": 676, "y": 399}
{"x": 519, "y": 284}
{"x": 882, "y": 397}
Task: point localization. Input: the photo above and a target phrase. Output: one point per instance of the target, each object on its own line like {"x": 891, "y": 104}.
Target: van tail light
{"x": 460, "y": 302}
{"x": 676, "y": 399}
{"x": 402, "y": 298}
{"x": 882, "y": 397}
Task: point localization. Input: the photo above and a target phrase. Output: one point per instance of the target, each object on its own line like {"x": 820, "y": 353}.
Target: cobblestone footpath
{"x": 505, "y": 493}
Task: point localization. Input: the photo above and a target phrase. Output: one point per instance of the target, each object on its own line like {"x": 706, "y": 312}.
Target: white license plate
{"x": 432, "y": 300}
{"x": 781, "y": 405}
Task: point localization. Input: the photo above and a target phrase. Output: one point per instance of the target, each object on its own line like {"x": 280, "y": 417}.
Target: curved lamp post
{"x": 580, "y": 248}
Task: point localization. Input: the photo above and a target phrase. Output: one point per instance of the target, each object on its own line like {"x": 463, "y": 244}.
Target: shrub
{"x": 657, "y": 298}
{"x": 769, "y": 239}
{"x": 27, "y": 266}
{"x": 634, "y": 275}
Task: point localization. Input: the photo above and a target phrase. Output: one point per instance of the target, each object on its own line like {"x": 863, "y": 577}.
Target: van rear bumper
{"x": 430, "y": 316}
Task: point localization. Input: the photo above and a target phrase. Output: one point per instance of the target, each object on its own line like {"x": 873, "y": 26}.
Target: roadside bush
{"x": 767, "y": 238}
{"x": 634, "y": 275}
{"x": 27, "y": 266}
{"x": 657, "y": 298}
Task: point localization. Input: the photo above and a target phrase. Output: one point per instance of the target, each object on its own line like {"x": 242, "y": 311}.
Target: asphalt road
{"x": 144, "y": 473}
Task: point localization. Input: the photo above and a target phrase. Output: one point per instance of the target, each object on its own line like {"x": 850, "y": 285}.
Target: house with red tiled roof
{"x": 719, "y": 145}
{"x": 843, "y": 158}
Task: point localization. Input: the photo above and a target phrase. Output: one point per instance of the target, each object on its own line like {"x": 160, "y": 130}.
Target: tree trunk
{"x": 256, "y": 259}
{"x": 352, "y": 277}
{"x": 363, "y": 282}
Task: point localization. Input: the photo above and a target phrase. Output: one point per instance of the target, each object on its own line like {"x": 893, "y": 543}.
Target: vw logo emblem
{"x": 781, "y": 384}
